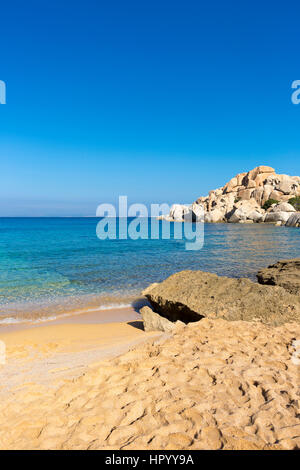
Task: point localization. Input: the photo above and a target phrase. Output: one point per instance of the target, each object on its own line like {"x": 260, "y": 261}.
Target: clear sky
{"x": 158, "y": 100}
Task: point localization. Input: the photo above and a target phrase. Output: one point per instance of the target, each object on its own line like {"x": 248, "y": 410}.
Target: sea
{"x": 50, "y": 267}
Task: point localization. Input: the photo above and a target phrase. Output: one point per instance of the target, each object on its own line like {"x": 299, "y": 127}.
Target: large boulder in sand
{"x": 284, "y": 273}
{"x": 154, "y": 322}
{"x": 191, "y": 295}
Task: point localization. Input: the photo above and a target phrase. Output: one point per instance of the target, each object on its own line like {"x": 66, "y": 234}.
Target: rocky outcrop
{"x": 154, "y": 322}
{"x": 284, "y": 273}
{"x": 243, "y": 197}
{"x": 181, "y": 213}
{"x": 191, "y": 295}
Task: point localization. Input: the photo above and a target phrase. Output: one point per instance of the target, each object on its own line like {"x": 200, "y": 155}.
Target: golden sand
{"x": 211, "y": 385}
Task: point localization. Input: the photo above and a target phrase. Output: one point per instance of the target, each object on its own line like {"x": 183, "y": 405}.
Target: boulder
{"x": 261, "y": 179}
{"x": 154, "y": 322}
{"x": 287, "y": 185}
{"x": 237, "y": 215}
{"x": 191, "y": 295}
{"x": 265, "y": 169}
{"x": 177, "y": 212}
{"x": 267, "y": 190}
{"x": 279, "y": 216}
{"x": 284, "y": 184}
{"x": 257, "y": 195}
{"x": 261, "y": 172}
{"x": 283, "y": 207}
{"x": 284, "y": 273}
{"x": 293, "y": 220}
{"x": 251, "y": 184}
{"x": 214, "y": 216}
{"x": 240, "y": 177}
{"x": 245, "y": 193}
{"x": 195, "y": 214}
{"x": 245, "y": 210}
{"x": 229, "y": 187}
{"x": 256, "y": 216}
{"x": 277, "y": 195}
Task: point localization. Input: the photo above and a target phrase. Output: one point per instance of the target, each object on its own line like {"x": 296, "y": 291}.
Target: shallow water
{"x": 50, "y": 266}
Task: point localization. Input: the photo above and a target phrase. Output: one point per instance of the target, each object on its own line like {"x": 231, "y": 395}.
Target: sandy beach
{"x": 66, "y": 347}
{"x": 212, "y": 384}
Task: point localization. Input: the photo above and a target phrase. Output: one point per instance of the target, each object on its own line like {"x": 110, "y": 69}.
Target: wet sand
{"x": 96, "y": 316}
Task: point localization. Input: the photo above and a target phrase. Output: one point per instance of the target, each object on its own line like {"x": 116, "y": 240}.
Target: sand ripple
{"x": 212, "y": 385}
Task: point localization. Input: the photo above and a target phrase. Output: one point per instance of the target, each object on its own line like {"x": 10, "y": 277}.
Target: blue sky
{"x": 161, "y": 101}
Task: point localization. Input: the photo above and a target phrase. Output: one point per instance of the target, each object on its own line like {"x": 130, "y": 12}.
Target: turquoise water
{"x": 49, "y": 266}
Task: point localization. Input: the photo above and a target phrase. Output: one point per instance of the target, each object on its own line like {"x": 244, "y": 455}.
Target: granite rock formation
{"x": 243, "y": 199}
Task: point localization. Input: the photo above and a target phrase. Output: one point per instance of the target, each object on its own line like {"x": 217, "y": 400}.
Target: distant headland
{"x": 259, "y": 195}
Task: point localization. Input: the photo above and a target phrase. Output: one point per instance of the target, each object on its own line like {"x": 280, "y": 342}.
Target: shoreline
{"x": 98, "y": 380}
{"x": 86, "y": 316}
{"x": 65, "y": 348}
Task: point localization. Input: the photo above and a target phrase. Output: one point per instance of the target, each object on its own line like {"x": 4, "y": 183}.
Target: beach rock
{"x": 191, "y": 295}
{"x": 293, "y": 220}
{"x": 154, "y": 322}
{"x": 284, "y": 273}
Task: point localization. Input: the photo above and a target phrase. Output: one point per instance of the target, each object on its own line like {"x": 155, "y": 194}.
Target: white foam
{"x": 9, "y": 320}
